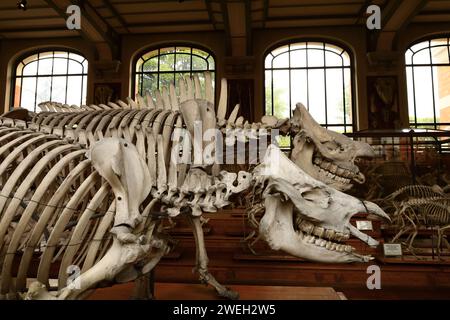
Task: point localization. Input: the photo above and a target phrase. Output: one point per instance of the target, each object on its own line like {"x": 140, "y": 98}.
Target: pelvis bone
{"x": 127, "y": 173}
{"x": 306, "y": 218}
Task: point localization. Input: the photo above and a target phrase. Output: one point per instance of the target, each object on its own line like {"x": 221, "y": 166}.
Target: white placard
{"x": 364, "y": 225}
{"x": 392, "y": 249}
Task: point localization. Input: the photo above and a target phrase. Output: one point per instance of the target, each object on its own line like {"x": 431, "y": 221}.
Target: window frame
{"x": 27, "y": 54}
{"x": 146, "y": 50}
{"x": 351, "y": 68}
{"x": 430, "y": 65}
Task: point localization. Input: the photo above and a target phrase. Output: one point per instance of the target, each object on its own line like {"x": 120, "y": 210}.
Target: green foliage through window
{"x": 160, "y": 67}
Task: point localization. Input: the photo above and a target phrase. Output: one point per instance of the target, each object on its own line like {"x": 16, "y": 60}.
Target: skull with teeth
{"x": 305, "y": 217}
{"x": 326, "y": 155}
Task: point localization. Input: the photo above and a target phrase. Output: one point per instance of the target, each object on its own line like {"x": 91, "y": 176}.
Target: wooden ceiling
{"x": 106, "y": 20}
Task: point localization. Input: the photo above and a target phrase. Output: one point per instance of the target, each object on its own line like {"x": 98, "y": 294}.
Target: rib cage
{"x": 49, "y": 193}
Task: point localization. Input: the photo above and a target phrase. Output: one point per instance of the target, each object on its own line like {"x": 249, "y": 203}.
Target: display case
{"x": 406, "y": 156}
{"x": 421, "y": 214}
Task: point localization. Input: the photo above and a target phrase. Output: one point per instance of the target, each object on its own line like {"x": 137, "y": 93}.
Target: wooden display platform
{"x": 415, "y": 260}
{"x": 185, "y": 291}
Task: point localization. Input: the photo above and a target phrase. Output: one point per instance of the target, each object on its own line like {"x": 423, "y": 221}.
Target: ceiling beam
{"x": 248, "y": 27}
{"x": 211, "y": 14}
{"x": 395, "y": 18}
{"x": 265, "y": 12}
{"x": 116, "y": 14}
{"x": 226, "y": 23}
{"x": 93, "y": 28}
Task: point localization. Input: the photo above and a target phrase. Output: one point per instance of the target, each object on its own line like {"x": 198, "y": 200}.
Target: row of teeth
{"x": 333, "y": 171}
{"x": 327, "y": 244}
{"x": 314, "y": 235}
{"x": 309, "y": 228}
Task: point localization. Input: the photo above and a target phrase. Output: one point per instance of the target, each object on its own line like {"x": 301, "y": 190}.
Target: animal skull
{"x": 305, "y": 217}
{"x": 326, "y": 155}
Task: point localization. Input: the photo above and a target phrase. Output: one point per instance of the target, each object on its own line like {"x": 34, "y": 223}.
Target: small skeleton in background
{"x": 417, "y": 206}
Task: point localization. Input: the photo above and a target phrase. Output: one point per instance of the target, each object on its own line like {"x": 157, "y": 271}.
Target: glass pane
{"x": 211, "y": 64}
{"x": 43, "y": 89}
{"x": 149, "y": 82}
{"x": 166, "y": 62}
{"x": 315, "y": 58}
{"x": 281, "y": 61}
{"x": 76, "y": 57}
{"x": 298, "y": 88}
{"x": 28, "y": 93}
{"x": 30, "y": 59}
{"x": 438, "y": 42}
{"x": 45, "y": 66}
{"x": 268, "y": 92}
{"x": 439, "y": 54}
{"x": 151, "y": 65}
{"x": 85, "y": 66}
{"x": 333, "y": 60}
{"x": 281, "y": 93}
{"x": 443, "y": 93}
{"x": 83, "y": 98}
{"x": 346, "y": 58}
{"x": 422, "y": 57}
{"x": 137, "y": 85}
{"x": 408, "y": 57}
{"x": 61, "y": 54}
{"x": 348, "y": 96}
{"x": 150, "y": 54}
{"x": 165, "y": 79}
{"x": 317, "y": 95}
{"x": 75, "y": 67}
{"x": 59, "y": 89}
{"x": 184, "y": 50}
{"x": 17, "y": 86}
{"x": 200, "y": 52}
{"x": 139, "y": 65}
{"x": 410, "y": 87}
{"x": 333, "y": 48}
{"x": 335, "y": 95}
{"x": 19, "y": 69}
{"x": 423, "y": 94}
{"x": 60, "y": 66}
{"x": 43, "y": 55}
{"x": 30, "y": 69}
{"x": 183, "y": 62}
{"x": 268, "y": 61}
{"x": 298, "y": 46}
{"x": 198, "y": 63}
{"x": 280, "y": 50}
{"x": 298, "y": 59}
{"x": 315, "y": 45}
{"x": 75, "y": 92}
{"x": 419, "y": 46}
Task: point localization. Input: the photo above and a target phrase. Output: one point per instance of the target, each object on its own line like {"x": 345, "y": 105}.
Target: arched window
{"x": 162, "y": 66}
{"x": 59, "y": 76}
{"x": 317, "y": 74}
{"x": 428, "y": 81}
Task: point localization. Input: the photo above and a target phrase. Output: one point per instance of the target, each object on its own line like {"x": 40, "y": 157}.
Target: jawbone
{"x": 277, "y": 228}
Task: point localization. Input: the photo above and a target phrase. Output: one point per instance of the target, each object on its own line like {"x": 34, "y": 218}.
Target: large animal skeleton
{"x": 130, "y": 170}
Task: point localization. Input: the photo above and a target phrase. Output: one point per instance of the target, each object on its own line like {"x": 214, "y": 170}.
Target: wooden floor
{"x": 185, "y": 291}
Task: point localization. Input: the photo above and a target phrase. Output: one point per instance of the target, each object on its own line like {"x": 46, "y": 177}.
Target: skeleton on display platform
{"x": 414, "y": 208}
{"x": 97, "y": 213}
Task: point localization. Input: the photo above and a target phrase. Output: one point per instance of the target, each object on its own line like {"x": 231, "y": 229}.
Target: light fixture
{"x": 22, "y": 4}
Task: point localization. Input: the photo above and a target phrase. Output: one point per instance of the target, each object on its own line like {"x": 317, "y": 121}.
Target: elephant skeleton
{"x": 141, "y": 141}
